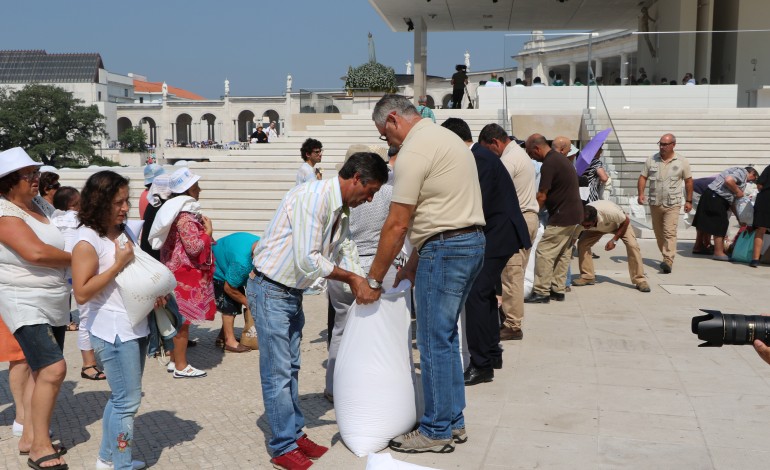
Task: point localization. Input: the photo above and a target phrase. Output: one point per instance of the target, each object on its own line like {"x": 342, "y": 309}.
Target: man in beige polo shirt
{"x": 599, "y": 219}
{"x": 522, "y": 172}
{"x": 666, "y": 171}
{"x": 437, "y": 201}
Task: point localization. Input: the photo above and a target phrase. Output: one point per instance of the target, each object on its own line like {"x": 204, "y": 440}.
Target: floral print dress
{"x": 187, "y": 253}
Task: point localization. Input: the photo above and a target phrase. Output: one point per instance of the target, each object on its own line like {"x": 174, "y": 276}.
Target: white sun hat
{"x": 15, "y": 159}
{"x": 182, "y": 180}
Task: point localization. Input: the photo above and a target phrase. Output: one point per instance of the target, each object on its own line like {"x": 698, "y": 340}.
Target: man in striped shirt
{"x": 307, "y": 239}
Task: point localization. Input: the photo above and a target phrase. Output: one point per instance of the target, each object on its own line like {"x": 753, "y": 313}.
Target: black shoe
{"x": 537, "y": 299}
{"x": 665, "y": 267}
{"x": 497, "y": 362}
{"x": 595, "y": 256}
{"x": 557, "y": 296}
{"x": 475, "y": 376}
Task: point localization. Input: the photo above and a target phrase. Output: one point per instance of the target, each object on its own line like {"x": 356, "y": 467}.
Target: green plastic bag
{"x": 744, "y": 247}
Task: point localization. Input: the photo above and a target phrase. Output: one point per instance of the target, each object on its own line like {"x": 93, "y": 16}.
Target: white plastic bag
{"x": 387, "y": 462}
{"x": 374, "y": 391}
{"x": 745, "y": 210}
{"x": 141, "y": 282}
{"x": 529, "y": 274}
{"x": 636, "y": 210}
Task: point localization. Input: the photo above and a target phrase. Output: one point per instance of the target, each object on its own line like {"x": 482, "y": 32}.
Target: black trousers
{"x": 457, "y": 98}
{"x": 482, "y": 322}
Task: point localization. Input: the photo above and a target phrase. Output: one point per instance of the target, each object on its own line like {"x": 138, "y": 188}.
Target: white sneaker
{"x": 18, "y": 430}
{"x": 189, "y": 372}
{"x": 135, "y": 464}
{"x": 170, "y": 367}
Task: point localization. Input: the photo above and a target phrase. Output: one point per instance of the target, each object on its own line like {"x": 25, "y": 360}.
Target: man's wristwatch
{"x": 374, "y": 283}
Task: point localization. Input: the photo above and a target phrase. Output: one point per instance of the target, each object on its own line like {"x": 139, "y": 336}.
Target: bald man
{"x": 559, "y": 193}
{"x": 562, "y": 145}
{"x": 666, "y": 171}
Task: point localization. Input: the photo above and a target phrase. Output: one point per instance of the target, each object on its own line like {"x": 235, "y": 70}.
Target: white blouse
{"x": 106, "y": 315}
{"x": 30, "y": 294}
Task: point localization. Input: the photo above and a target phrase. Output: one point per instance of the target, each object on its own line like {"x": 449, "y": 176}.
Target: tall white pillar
{"x": 420, "y": 58}
{"x": 624, "y": 69}
{"x": 572, "y": 72}
{"x": 598, "y": 69}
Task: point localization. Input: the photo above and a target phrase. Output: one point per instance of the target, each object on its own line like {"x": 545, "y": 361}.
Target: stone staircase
{"x": 711, "y": 140}
{"x": 242, "y": 188}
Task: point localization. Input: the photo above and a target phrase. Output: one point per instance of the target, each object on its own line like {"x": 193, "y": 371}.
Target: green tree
{"x": 133, "y": 140}
{"x": 50, "y": 124}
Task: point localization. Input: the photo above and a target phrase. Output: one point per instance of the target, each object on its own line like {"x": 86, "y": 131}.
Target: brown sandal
{"x": 99, "y": 375}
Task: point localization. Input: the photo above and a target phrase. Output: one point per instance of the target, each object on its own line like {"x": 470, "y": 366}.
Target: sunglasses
{"x": 31, "y": 176}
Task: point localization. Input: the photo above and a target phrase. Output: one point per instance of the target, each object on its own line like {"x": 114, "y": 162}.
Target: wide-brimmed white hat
{"x": 151, "y": 171}
{"x": 182, "y": 180}
{"x": 15, "y": 159}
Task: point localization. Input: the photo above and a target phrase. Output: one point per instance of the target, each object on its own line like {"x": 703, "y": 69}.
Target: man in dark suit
{"x": 506, "y": 233}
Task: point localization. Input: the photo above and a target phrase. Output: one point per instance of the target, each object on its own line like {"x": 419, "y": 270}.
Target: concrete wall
{"x": 301, "y": 121}
{"x": 550, "y": 125}
{"x": 752, "y": 15}
{"x": 675, "y": 52}
{"x": 616, "y": 97}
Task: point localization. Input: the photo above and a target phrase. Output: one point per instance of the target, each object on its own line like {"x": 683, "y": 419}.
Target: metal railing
{"x": 338, "y": 100}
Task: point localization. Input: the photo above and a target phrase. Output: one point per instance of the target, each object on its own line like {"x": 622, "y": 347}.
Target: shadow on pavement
{"x": 158, "y": 430}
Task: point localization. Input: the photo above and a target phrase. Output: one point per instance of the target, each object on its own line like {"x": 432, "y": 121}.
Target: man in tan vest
{"x": 666, "y": 171}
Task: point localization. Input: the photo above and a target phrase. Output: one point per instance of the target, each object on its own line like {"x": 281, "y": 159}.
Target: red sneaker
{"x": 292, "y": 460}
{"x": 310, "y": 449}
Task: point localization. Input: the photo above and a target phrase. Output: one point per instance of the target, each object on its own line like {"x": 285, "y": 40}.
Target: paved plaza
{"x": 610, "y": 378}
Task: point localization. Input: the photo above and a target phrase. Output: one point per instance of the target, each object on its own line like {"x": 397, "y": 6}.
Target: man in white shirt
{"x": 311, "y": 152}
{"x": 272, "y": 134}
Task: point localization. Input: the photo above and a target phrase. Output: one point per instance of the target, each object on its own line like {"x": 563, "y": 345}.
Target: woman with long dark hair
{"x": 99, "y": 256}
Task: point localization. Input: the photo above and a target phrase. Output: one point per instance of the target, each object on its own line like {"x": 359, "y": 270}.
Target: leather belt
{"x": 261, "y": 275}
{"x": 453, "y": 233}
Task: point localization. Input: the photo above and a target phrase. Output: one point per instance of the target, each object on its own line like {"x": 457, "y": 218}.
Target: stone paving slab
{"x": 610, "y": 378}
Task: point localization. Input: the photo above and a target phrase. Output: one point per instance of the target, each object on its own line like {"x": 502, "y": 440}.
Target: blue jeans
{"x": 279, "y": 319}
{"x": 123, "y": 365}
{"x": 445, "y": 274}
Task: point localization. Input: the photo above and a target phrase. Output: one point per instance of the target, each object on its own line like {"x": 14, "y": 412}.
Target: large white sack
{"x": 374, "y": 392}
{"x": 529, "y": 274}
{"x": 465, "y": 354}
{"x": 387, "y": 462}
{"x": 141, "y": 282}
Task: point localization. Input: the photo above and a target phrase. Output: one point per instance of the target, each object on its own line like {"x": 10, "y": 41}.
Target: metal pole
{"x": 505, "y": 89}
{"x": 590, "y": 73}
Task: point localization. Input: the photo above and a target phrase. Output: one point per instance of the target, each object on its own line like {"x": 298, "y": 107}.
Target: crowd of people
{"x": 458, "y": 219}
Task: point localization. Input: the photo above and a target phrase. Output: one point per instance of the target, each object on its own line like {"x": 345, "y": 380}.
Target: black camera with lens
{"x": 717, "y": 328}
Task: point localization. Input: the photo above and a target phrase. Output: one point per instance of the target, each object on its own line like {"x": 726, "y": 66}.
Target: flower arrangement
{"x": 371, "y": 76}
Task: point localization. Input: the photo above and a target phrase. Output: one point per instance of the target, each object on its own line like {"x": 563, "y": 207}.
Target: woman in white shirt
{"x": 119, "y": 347}
{"x": 33, "y": 299}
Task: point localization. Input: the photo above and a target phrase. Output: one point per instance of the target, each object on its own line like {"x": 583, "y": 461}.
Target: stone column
{"x": 572, "y": 73}
{"x": 420, "y": 58}
{"x": 624, "y": 69}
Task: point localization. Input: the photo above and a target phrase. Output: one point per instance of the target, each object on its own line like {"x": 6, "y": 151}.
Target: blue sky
{"x": 196, "y": 44}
